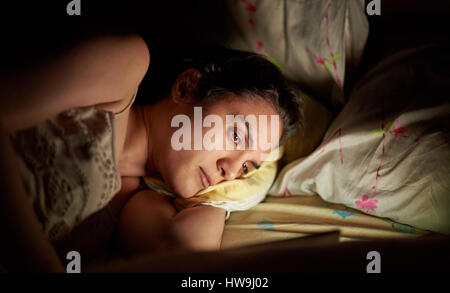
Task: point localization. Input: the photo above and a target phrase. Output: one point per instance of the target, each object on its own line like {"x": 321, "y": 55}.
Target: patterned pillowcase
{"x": 316, "y": 120}
{"x": 388, "y": 151}
{"x": 311, "y": 41}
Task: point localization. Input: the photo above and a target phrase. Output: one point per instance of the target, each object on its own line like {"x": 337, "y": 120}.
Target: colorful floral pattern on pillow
{"x": 312, "y": 42}
{"x": 388, "y": 151}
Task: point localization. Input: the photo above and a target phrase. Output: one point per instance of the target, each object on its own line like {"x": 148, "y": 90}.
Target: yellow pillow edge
{"x": 232, "y": 190}
{"x": 235, "y": 190}
{"x": 242, "y": 188}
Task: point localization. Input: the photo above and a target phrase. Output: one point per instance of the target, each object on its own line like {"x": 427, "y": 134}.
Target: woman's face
{"x": 217, "y": 157}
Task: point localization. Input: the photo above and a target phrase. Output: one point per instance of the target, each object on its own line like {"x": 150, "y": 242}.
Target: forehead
{"x": 230, "y": 103}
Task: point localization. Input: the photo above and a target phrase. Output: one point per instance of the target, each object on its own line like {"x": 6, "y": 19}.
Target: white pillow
{"x": 311, "y": 40}
{"x": 388, "y": 151}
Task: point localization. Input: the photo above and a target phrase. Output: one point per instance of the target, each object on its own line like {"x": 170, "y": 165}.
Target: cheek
{"x": 180, "y": 172}
{"x": 177, "y": 162}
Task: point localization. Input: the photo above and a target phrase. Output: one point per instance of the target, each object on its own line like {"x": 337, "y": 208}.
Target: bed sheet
{"x": 278, "y": 218}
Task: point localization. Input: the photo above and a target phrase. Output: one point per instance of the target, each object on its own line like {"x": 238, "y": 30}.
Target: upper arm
{"x": 144, "y": 222}
{"x": 98, "y": 70}
{"x": 200, "y": 227}
{"x": 149, "y": 221}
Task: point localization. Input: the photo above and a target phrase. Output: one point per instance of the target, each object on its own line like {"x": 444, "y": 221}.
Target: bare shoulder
{"x": 97, "y": 70}
{"x": 130, "y": 54}
{"x": 130, "y": 48}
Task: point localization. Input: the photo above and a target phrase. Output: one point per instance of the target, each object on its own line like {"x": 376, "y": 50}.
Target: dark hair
{"x": 244, "y": 74}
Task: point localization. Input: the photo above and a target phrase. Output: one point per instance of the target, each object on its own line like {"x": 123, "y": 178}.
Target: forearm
{"x": 90, "y": 238}
{"x": 102, "y": 224}
{"x": 24, "y": 246}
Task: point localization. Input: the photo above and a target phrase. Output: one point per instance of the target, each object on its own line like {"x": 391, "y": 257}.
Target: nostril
{"x": 222, "y": 172}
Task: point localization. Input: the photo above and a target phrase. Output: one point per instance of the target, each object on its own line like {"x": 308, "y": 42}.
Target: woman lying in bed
{"x": 125, "y": 143}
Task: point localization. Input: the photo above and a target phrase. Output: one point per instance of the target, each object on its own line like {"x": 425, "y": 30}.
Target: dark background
{"x": 31, "y": 31}
{"x": 34, "y": 30}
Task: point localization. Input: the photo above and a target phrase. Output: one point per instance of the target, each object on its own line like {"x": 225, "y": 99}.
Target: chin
{"x": 181, "y": 180}
{"x": 184, "y": 190}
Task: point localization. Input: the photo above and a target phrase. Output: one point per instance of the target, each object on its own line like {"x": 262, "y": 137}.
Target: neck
{"x": 136, "y": 158}
{"x": 156, "y": 117}
{"x": 144, "y": 151}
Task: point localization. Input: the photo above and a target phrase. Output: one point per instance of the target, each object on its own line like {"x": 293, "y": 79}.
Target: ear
{"x": 184, "y": 86}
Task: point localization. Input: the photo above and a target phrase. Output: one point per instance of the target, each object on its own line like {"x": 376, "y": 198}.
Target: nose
{"x": 231, "y": 166}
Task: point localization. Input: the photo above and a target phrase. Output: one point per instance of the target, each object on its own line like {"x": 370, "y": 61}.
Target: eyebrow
{"x": 255, "y": 165}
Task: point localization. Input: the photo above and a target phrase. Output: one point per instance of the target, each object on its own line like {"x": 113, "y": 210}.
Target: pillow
{"x": 233, "y": 195}
{"x": 388, "y": 151}
{"x": 316, "y": 119}
{"x": 312, "y": 41}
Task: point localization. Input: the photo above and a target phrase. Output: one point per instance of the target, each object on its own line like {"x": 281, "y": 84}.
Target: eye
{"x": 234, "y": 135}
{"x": 245, "y": 168}
{"x": 236, "y": 138}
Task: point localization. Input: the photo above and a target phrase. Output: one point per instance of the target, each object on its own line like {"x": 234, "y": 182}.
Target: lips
{"x": 206, "y": 181}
